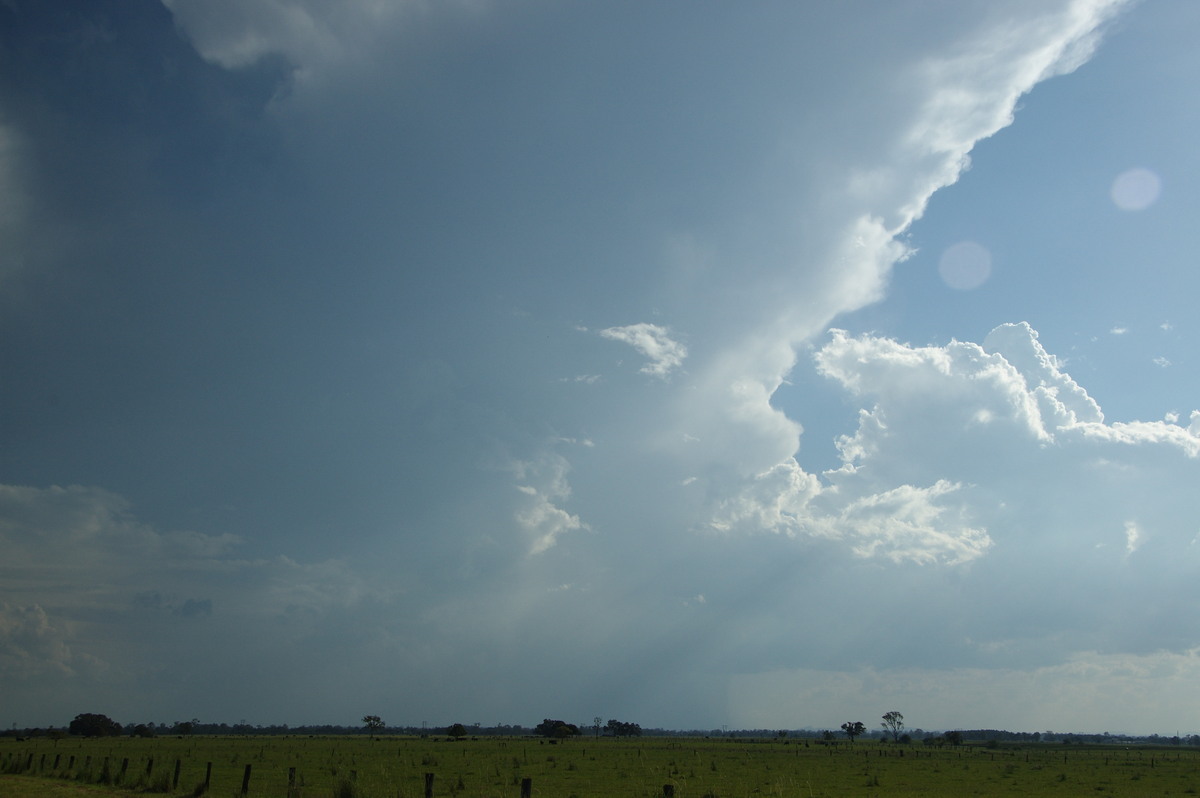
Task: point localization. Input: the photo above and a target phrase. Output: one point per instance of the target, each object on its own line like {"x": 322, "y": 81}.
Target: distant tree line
{"x": 99, "y": 725}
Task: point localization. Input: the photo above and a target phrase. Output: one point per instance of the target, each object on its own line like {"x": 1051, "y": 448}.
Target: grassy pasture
{"x": 395, "y": 767}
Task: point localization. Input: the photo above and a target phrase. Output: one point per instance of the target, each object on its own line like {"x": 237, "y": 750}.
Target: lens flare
{"x": 965, "y": 265}
{"x": 1136, "y": 189}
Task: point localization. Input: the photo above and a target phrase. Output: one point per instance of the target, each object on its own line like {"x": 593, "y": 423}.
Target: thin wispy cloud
{"x": 662, "y": 353}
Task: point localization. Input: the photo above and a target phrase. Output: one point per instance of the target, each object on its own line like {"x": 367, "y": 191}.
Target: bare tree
{"x": 893, "y": 724}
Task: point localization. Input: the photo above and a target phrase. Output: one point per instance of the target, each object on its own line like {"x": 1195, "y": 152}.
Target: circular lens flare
{"x": 1136, "y": 189}
{"x": 965, "y": 265}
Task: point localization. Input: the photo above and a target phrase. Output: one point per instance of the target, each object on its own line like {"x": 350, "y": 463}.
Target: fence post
{"x": 208, "y": 777}
{"x": 124, "y": 767}
{"x": 668, "y": 791}
{"x": 149, "y": 767}
{"x": 526, "y": 788}
{"x": 246, "y": 781}
{"x": 175, "y": 780}
{"x": 428, "y": 785}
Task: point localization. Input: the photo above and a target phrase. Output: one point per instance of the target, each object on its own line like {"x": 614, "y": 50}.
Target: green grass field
{"x": 395, "y": 767}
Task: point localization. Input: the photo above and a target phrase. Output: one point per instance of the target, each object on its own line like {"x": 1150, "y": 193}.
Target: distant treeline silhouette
{"x": 196, "y": 727}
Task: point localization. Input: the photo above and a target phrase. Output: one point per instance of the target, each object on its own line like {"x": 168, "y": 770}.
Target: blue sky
{"x": 759, "y": 365}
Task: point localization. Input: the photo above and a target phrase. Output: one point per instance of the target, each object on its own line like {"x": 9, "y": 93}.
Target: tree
{"x": 90, "y": 724}
{"x": 556, "y": 728}
{"x": 953, "y": 738}
{"x": 618, "y": 728}
{"x": 853, "y": 728}
{"x": 893, "y": 724}
{"x": 457, "y": 731}
{"x": 374, "y": 724}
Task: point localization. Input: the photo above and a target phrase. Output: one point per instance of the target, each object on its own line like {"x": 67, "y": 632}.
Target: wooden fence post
{"x": 246, "y": 781}
{"x": 668, "y": 791}
{"x": 526, "y": 788}
{"x": 175, "y": 780}
{"x": 149, "y": 767}
{"x": 208, "y": 777}
{"x": 428, "y": 785}
{"x": 124, "y": 767}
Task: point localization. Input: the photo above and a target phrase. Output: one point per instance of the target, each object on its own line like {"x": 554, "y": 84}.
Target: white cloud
{"x": 1013, "y": 396}
{"x": 654, "y": 343}
{"x": 1133, "y": 537}
{"x": 1040, "y": 471}
{"x": 1061, "y": 398}
{"x": 1008, "y": 471}
{"x": 905, "y": 523}
{"x": 541, "y": 517}
{"x": 971, "y": 92}
{"x": 951, "y": 98}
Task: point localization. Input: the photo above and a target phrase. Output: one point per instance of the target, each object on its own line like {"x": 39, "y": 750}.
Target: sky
{"x": 762, "y": 365}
